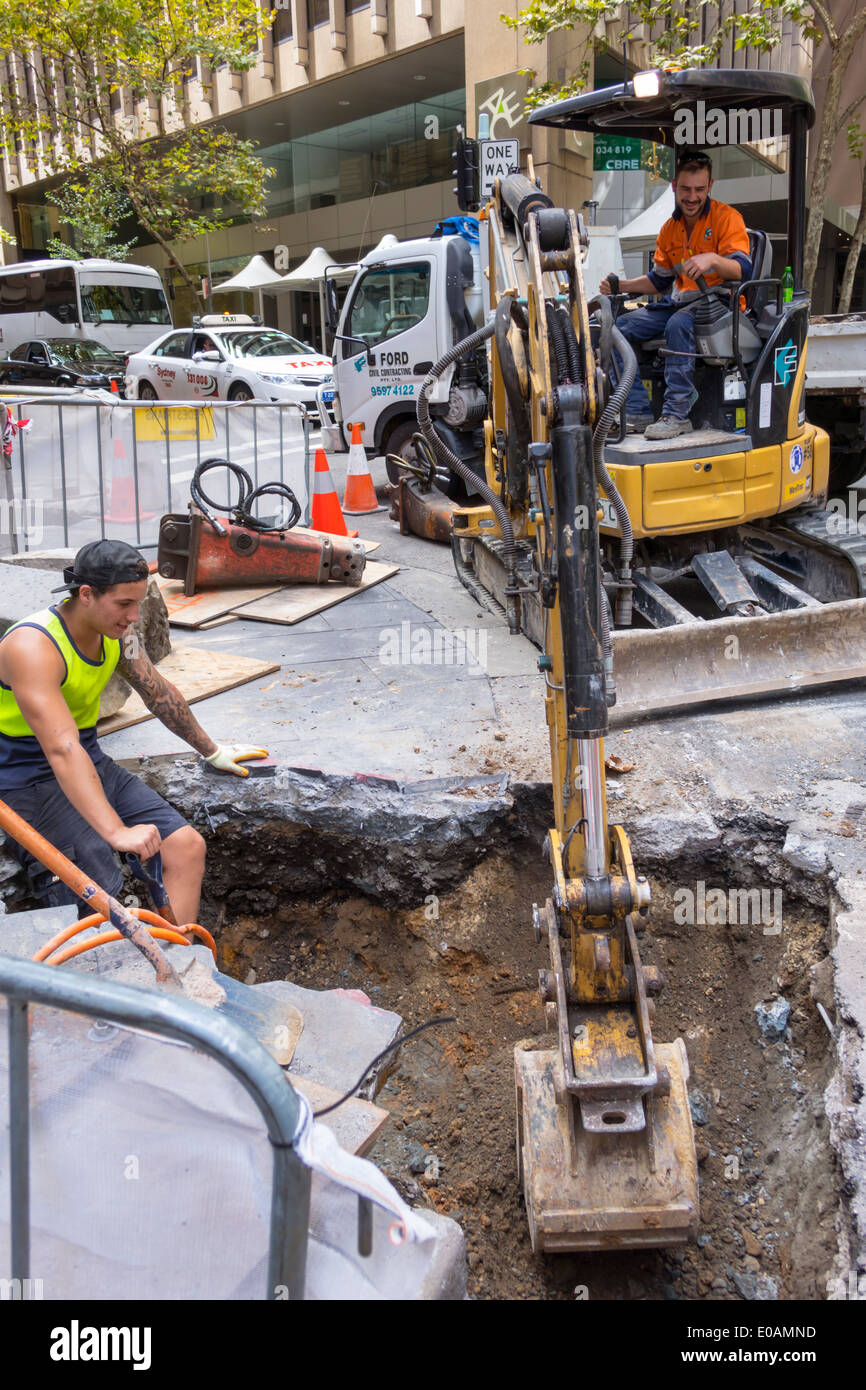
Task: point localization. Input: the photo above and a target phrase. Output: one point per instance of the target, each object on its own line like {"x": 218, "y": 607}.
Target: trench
{"x": 450, "y": 934}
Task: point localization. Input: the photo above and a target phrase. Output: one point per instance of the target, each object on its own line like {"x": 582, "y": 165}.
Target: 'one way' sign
{"x": 498, "y": 158}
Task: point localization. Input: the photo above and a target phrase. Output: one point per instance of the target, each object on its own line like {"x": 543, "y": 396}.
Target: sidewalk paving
{"x": 342, "y": 703}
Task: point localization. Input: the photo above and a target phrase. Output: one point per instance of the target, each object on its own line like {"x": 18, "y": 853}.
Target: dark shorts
{"x": 45, "y": 806}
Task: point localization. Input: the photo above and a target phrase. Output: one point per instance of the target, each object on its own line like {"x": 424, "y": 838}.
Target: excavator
{"x": 576, "y": 530}
{"x": 716, "y": 542}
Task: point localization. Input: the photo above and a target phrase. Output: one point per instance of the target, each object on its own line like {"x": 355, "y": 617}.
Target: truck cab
{"x": 408, "y": 304}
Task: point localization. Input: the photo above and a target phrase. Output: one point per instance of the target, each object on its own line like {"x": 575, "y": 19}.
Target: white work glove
{"x": 228, "y": 755}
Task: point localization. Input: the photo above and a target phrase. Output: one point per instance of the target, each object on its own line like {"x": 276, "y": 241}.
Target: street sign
{"x": 616, "y": 152}
{"x": 498, "y": 158}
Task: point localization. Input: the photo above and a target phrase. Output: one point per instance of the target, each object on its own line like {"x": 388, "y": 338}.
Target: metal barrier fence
{"x": 87, "y": 468}
{"x": 23, "y": 982}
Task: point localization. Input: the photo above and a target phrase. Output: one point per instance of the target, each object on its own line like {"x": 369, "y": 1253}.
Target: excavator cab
{"x": 752, "y": 456}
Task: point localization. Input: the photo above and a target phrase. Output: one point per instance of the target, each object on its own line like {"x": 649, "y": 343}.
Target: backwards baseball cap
{"x": 104, "y": 563}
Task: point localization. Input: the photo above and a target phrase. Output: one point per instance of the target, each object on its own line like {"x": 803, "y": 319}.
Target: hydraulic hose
{"x": 599, "y": 438}
{"x": 96, "y": 919}
{"x": 462, "y": 469}
{"x": 506, "y": 310}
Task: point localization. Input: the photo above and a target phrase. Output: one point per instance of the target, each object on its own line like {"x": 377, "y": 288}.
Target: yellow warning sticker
{"x": 741, "y": 417}
{"x": 177, "y": 422}
{"x": 799, "y": 487}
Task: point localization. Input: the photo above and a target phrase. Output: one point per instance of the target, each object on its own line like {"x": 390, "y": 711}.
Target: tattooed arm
{"x": 162, "y": 698}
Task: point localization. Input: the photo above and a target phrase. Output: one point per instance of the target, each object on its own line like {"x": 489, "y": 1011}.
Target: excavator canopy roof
{"x": 618, "y": 111}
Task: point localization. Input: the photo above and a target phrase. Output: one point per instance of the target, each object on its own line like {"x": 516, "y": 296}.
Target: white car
{"x": 229, "y": 357}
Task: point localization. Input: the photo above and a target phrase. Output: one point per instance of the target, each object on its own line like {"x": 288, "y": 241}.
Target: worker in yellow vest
{"x": 54, "y": 666}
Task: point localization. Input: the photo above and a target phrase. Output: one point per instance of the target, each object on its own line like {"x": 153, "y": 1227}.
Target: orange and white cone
{"x": 360, "y": 494}
{"x": 122, "y": 504}
{"x": 326, "y": 505}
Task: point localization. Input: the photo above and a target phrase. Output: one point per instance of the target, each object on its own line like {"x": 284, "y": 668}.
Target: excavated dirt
{"x": 769, "y": 1185}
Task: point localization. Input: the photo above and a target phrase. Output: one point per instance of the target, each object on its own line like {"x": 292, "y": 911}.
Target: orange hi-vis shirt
{"x": 719, "y": 228}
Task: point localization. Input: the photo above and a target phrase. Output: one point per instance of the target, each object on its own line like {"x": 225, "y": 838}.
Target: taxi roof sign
{"x": 215, "y": 320}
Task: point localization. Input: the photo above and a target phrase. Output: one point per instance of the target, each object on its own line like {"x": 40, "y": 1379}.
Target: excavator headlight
{"x": 646, "y": 84}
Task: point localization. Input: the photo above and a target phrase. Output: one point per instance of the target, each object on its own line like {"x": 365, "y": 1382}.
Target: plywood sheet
{"x": 299, "y": 601}
{"x": 355, "y": 1124}
{"x": 202, "y": 607}
{"x": 197, "y": 674}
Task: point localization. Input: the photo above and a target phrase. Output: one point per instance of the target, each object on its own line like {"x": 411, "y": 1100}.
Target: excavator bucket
{"x": 605, "y": 1192}
{"x": 738, "y": 658}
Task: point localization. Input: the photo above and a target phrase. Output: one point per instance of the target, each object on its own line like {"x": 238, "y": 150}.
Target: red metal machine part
{"x": 190, "y": 549}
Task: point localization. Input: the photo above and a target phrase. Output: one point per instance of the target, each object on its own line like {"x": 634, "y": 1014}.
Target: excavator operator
{"x": 703, "y": 237}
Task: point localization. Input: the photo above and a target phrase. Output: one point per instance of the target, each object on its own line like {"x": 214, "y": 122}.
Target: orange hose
{"x": 141, "y": 913}
{"x": 164, "y": 934}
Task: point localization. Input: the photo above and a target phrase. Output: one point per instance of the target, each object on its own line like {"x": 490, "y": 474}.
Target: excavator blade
{"x": 598, "y": 1191}
{"x": 738, "y": 658}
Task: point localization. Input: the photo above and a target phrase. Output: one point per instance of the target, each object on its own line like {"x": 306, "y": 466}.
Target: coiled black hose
{"x": 241, "y": 512}
{"x": 469, "y": 476}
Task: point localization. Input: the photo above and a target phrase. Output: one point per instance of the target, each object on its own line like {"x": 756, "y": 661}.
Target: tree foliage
{"x": 94, "y": 206}
{"x": 689, "y": 36}
{"x": 106, "y": 84}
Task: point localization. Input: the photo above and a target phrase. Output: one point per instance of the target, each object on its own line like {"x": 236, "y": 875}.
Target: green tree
{"x": 93, "y": 205}
{"x": 675, "y": 30}
{"x": 856, "y": 137}
{"x": 69, "y": 62}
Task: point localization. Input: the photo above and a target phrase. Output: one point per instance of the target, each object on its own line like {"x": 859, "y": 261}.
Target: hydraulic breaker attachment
{"x": 424, "y": 512}
{"x": 191, "y": 549}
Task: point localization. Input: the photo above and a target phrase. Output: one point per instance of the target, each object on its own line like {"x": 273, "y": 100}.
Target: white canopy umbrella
{"x": 311, "y": 275}
{"x": 256, "y": 275}
{"x": 642, "y": 232}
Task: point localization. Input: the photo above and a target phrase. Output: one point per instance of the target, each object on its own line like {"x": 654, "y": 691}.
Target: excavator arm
{"x": 604, "y": 1135}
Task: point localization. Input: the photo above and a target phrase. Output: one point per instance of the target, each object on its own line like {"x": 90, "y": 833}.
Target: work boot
{"x": 636, "y": 424}
{"x": 668, "y": 427}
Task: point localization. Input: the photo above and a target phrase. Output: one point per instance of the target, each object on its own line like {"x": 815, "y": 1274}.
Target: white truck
{"x": 408, "y": 304}
{"x": 412, "y": 300}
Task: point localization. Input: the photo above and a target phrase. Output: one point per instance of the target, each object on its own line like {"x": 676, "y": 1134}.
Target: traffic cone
{"x": 114, "y": 387}
{"x": 360, "y": 495}
{"x": 326, "y": 505}
{"x": 122, "y": 502}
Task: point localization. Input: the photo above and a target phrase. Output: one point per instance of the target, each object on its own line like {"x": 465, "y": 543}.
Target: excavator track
{"x": 811, "y": 550}
{"x": 732, "y": 659}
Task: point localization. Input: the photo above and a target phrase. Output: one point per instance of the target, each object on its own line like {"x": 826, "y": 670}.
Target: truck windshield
{"x": 388, "y": 300}
{"x": 124, "y": 304}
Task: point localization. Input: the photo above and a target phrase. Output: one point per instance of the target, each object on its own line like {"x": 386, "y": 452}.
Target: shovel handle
{"x": 90, "y": 893}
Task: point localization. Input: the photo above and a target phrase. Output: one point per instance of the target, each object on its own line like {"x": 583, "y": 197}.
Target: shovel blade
{"x": 598, "y": 1191}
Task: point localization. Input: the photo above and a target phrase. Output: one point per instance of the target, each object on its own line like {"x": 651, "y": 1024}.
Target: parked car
{"x": 64, "y": 362}
{"x": 229, "y": 357}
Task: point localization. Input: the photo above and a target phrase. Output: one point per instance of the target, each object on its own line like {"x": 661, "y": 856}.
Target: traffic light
{"x": 466, "y": 171}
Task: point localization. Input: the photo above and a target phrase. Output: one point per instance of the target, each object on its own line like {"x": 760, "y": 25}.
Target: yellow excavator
{"x": 726, "y": 575}
{"x": 571, "y": 541}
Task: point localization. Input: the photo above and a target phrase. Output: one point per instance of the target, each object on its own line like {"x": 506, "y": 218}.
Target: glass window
{"x": 388, "y": 300}
{"x": 272, "y": 343}
{"x": 282, "y": 25}
{"x": 174, "y": 346}
{"x": 406, "y": 147}
{"x": 317, "y": 12}
{"x": 23, "y": 293}
{"x": 123, "y": 304}
{"x": 80, "y": 352}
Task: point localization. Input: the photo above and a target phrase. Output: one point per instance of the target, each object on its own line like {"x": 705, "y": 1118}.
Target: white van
{"x": 120, "y": 305}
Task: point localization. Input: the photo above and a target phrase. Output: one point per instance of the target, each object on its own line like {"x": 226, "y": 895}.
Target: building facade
{"x": 355, "y": 104}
